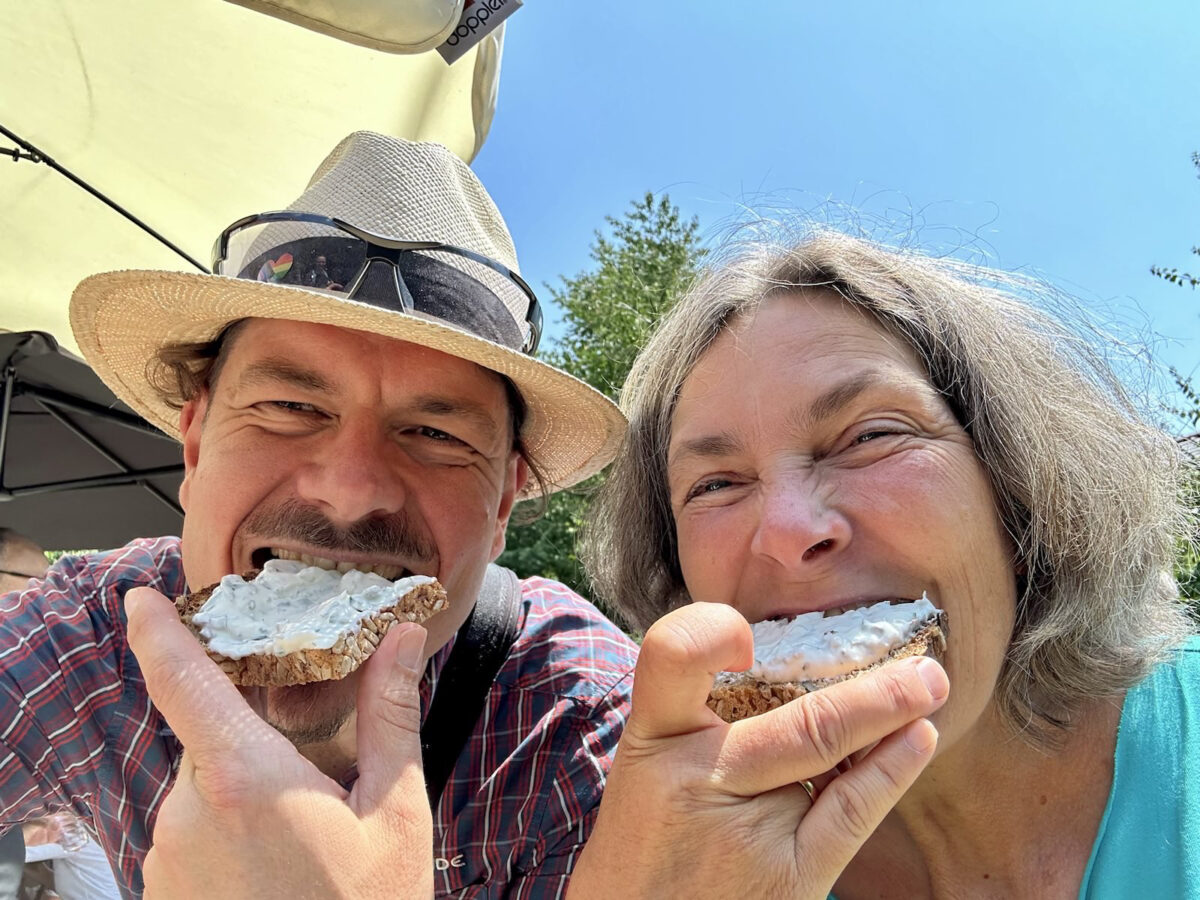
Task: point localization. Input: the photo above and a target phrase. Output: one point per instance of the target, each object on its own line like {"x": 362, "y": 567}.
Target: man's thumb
{"x": 389, "y": 722}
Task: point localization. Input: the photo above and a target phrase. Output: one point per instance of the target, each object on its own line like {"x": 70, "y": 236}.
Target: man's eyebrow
{"x": 478, "y": 413}
{"x": 278, "y": 370}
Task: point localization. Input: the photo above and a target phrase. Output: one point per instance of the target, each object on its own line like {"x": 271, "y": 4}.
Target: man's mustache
{"x": 383, "y": 536}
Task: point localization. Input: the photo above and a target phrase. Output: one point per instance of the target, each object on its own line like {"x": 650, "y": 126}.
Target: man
{"x": 318, "y": 276}
{"x": 392, "y": 426}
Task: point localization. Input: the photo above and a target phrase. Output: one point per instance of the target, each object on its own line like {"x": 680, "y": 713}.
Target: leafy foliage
{"x": 1188, "y": 566}
{"x": 1173, "y": 275}
{"x": 644, "y": 262}
{"x": 1187, "y": 570}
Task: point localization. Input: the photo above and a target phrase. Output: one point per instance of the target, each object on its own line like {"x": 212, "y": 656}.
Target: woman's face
{"x": 812, "y": 466}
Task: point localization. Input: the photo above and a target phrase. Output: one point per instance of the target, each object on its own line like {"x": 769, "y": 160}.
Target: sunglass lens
{"x": 299, "y": 253}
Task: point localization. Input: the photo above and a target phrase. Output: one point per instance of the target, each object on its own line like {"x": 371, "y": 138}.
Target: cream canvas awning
{"x": 189, "y": 114}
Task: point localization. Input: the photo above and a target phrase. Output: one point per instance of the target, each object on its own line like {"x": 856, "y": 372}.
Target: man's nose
{"x": 799, "y": 525}
{"x": 353, "y": 474}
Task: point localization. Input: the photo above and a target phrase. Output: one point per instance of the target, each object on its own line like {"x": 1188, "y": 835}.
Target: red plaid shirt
{"x": 79, "y": 732}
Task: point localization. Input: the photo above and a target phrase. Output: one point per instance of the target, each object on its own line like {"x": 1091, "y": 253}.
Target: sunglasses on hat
{"x": 458, "y": 286}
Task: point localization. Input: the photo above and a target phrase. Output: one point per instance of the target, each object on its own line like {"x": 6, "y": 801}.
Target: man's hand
{"x": 698, "y": 808}
{"x": 248, "y": 816}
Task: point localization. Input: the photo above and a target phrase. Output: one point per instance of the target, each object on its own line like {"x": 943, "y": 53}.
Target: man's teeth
{"x": 383, "y": 570}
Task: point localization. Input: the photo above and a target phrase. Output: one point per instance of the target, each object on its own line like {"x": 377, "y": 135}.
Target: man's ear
{"x": 191, "y": 423}
{"x": 515, "y": 477}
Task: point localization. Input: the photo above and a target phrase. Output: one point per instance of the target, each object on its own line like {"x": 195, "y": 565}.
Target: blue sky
{"x": 1052, "y": 138}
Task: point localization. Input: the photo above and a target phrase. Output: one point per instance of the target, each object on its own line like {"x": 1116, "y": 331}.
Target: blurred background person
{"x": 12, "y": 863}
{"x": 78, "y": 867}
{"x": 20, "y": 560}
{"x": 80, "y": 870}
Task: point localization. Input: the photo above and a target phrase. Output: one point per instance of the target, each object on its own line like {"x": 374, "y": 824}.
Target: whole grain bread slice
{"x": 738, "y": 695}
{"x": 307, "y": 666}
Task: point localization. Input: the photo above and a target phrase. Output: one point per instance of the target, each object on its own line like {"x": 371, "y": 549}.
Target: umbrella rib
{"x": 125, "y": 468}
{"x": 36, "y": 155}
{"x": 117, "y": 478}
{"x": 49, "y": 397}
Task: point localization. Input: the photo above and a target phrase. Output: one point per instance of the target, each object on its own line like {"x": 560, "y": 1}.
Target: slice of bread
{"x": 308, "y": 665}
{"x": 740, "y": 695}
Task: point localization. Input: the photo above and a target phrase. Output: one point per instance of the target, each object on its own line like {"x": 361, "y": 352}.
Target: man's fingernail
{"x": 411, "y": 650}
{"x": 934, "y": 677}
{"x": 133, "y": 601}
{"x": 921, "y": 736}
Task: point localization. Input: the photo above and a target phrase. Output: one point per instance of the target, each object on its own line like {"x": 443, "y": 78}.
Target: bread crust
{"x": 307, "y": 666}
{"x": 737, "y": 695}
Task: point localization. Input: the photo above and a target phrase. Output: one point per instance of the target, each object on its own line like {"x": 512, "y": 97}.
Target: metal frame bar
{"x": 37, "y": 156}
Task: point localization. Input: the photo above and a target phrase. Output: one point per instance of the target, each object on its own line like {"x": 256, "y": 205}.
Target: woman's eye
{"x": 872, "y": 435}
{"x": 710, "y": 486}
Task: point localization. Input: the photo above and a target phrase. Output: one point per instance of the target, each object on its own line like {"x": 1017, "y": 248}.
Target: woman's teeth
{"x": 862, "y": 604}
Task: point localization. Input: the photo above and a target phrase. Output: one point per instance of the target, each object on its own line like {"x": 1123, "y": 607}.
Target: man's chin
{"x": 310, "y": 713}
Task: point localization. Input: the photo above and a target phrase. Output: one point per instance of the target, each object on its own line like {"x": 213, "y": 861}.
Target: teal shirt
{"x": 1148, "y": 843}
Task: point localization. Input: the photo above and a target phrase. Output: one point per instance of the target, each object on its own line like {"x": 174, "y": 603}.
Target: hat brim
{"x": 121, "y": 320}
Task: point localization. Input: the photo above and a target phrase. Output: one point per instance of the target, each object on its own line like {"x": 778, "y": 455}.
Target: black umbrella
{"x": 78, "y": 468}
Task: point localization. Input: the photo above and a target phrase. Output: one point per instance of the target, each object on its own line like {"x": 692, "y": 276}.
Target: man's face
{"x": 347, "y": 447}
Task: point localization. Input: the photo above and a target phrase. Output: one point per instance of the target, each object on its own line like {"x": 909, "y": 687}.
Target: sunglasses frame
{"x": 386, "y": 249}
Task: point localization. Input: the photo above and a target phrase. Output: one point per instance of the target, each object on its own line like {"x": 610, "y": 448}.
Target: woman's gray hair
{"x": 1087, "y": 489}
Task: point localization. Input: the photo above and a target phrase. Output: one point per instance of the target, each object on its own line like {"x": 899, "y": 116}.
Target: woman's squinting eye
{"x": 871, "y": 435}
{"x": 874, "y": 431}
{"x": 708, "y": 486}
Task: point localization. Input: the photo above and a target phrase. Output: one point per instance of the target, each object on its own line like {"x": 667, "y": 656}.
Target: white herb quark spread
{"x": 290, "y": 607}
{"x": 813, "y": 646}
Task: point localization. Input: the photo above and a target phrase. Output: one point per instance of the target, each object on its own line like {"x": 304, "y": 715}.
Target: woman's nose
{"x": 798, "y": 524}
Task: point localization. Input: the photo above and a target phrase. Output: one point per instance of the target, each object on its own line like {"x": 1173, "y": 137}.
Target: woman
{"x": 837, "y": 422}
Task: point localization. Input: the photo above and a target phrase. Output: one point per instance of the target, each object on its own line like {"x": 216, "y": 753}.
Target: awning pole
{"x": 37, "y": 156}
{"x": 10, "y": 377}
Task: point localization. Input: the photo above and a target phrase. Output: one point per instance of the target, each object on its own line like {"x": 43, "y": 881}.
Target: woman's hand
{"x": 698, "y": 808}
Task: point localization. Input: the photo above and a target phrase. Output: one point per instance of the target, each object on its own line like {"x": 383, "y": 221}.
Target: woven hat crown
{"x": 414, "y": 191}
{"x": 411, "y": 190}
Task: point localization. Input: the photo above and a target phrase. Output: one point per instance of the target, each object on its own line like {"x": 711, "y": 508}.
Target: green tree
{"x": 1173, "y": 275}
{"x": 1189, "y": 412}
{"x": 1188, "y": 569}
{"x": 639, "y": 267}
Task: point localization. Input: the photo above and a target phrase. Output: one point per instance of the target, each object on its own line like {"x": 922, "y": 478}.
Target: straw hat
{"x": 393, "y": 188}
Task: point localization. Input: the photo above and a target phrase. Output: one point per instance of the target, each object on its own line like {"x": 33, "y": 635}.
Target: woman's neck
{"x": 994, "y": 816}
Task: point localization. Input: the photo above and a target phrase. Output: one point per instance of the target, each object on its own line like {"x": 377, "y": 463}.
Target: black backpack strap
{"x": 479, "y": 651}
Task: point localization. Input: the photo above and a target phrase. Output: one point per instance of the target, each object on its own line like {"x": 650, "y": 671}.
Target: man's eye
{"x": 294, "y": 406}
{"x": 436, "y": 434}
